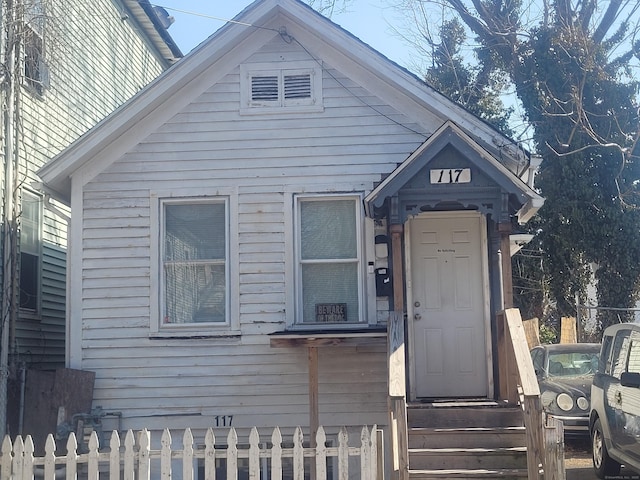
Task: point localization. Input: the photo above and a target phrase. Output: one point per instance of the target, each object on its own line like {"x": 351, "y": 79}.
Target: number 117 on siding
{"x": 450, "y": 175}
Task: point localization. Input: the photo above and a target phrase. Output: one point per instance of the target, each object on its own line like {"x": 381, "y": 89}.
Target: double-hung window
{"x": 195, "y": 266}
{"x": 30, "y": 252}
{"x": 329, "y": 269}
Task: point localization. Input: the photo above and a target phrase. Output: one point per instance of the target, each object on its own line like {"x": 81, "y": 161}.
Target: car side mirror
{"x": 630, "y": 379}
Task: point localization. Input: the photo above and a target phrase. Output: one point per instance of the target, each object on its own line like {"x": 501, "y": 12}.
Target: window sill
{"x": 195, "y": 334}
{"x": 354, "y": 337}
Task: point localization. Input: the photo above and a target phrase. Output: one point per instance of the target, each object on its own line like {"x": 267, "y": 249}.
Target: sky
{"x": 368, "y": 20}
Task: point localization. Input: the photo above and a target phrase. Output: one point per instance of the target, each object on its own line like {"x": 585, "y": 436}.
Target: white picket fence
{"x": 134, "y": 459}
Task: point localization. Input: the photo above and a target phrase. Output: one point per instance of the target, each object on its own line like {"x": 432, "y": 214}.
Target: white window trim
{"x": 279, "y": 69}
{"x": 365, "y": 310}
{"x": 159, "y": 329}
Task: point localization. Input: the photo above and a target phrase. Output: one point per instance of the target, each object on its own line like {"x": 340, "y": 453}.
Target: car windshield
{"x": 571, "y": 364}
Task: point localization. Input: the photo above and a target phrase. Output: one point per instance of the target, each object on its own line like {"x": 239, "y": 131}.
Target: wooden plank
{"x": 327, "y": 341}
{"x": 505, "y": 248}
{"x": 396, "y": 362}
{"x": 532, "y": 331}
{"x": 568, "y": 330}
{"x": 314, "y": 415}
{"x": 398, "y": 267}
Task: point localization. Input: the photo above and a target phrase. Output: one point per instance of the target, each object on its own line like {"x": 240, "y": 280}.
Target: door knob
{"x": 417, "y": 316}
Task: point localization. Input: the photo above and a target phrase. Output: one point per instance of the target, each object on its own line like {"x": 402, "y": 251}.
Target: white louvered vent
{"x": 267, "y": 88}
{"x": 264, "y": 88}
{"x": 297, "y": 86}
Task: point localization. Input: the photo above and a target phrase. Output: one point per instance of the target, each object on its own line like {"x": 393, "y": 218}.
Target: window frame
{"x": 249, "y": 106}
{"x": 34, "y": 49}
{"x": 158, "y": 328}
{"x": 37, "y": 253}
{"x": 363, "y": 315}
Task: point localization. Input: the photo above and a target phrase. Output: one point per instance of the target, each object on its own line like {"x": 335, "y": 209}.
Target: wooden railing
{"x": 518, "y": 384}
{"x": 136, "y": 458}
{"x": 398, "y": 398}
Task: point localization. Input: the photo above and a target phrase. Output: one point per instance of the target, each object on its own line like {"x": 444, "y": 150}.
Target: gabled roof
{"x": 450, "y": 134}
{"x": 146, "y": 17}
{"x": 223, "y": 51}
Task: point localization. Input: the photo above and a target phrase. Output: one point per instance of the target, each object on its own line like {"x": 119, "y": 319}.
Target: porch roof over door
{"x": 492, "y": 182}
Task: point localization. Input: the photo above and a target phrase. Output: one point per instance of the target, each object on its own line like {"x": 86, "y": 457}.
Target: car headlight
{"x": 564, "y": 401}
{"x": 583, "y": 403}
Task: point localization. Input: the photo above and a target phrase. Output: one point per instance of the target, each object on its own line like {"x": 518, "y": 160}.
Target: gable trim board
{"x": 450, "y": 134}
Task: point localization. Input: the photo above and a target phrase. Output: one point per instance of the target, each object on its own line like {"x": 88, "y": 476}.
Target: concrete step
{"x": 468, "y": 458}
{"x": 467, "y": 437}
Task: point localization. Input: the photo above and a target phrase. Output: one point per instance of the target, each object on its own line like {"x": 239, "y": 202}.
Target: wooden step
{"x": 467, "y": 437}
{"x": 468, "y": 458}
{"x": 429, "y": 416}
{"x": 504, "y": 474}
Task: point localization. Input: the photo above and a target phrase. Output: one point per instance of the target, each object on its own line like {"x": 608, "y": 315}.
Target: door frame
{"x": 484, "y": 261}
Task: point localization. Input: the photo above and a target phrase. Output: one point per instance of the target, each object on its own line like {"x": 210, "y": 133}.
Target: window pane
{"x": 30, "y": 224}
{"x": 29, "y": 274}
{"x": 195, "y": 232}
{"x": 195, "y": 293}
{"x": 330, "y": 284}
{"x": 195, "y": 283}
{"x": 328, "y": 229}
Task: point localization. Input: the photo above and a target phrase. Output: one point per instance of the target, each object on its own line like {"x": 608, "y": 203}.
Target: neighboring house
{"x": 68, "y": 65}
{"x": 263, "y": 207}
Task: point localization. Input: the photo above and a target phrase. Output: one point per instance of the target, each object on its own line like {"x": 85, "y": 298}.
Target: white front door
{"x": 448, "y": 305}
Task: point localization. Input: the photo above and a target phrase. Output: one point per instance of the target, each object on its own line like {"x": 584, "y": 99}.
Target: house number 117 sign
{"x": 450, "y": 175}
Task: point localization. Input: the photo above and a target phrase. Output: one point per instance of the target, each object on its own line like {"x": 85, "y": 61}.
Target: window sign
{"x": 331, "y": 312}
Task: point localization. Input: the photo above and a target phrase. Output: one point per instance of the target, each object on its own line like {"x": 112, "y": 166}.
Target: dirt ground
{"x": 578, "y": 465}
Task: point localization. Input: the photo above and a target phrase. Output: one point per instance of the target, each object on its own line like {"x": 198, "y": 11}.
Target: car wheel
{"x": 603, "y": 464}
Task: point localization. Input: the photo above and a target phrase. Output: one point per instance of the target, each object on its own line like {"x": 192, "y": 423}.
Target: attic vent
{"x": 264, "y": 88}
{"x": 275, "y": 87}
{"x": 297, "y": 86}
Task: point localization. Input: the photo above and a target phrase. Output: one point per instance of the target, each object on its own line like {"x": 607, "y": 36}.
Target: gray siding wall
{"x": 158, "y": 382}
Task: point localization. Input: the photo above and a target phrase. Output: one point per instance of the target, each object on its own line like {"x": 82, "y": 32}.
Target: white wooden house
{"x": 245, "y": 226}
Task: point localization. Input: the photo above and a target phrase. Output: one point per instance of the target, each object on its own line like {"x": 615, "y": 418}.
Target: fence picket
{"x": 165, "y": 455}
{"x": 343, "y": 454}
{"x": 187, "y": 454}
{"x": 276, "y": 455}
{"x": 129, "y": 456}
{"x": 28, "y": 458}
{"x": 365, "y": 454}
{"x": 232, "y": 455}
{"x": 133, "y": 462}
{"x": 114, "y": 457}
{"x": 254, "y": 454}
{"x": 18, "y": 456}
{"x": 298, "y": 455}
{"x": 210, "y": 455}
{"x": 94, "y": 456}
{"x": 7, "y": 456}
{"x": 321, "y": 454}
{"x": 144, "y": 459}
{"x": 50, "y": 458}
{"x": 72, "y": 457}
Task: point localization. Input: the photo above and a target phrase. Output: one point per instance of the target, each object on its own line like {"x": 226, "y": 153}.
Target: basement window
{"x": 268, "y": 88}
